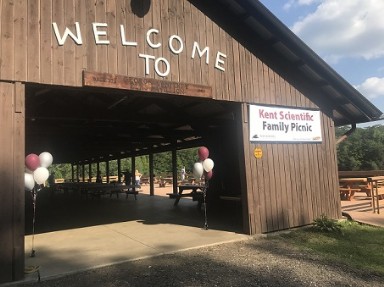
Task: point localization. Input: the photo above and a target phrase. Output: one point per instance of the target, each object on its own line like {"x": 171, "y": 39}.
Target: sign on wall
{"x": 278, "y": 124}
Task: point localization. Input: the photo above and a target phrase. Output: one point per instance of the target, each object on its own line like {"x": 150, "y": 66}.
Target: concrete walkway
{"x": 360, "y": 210}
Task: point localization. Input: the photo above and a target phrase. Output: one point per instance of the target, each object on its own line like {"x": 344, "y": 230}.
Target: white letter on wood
{"x": 153, "y": 45}
{"x": 196, "y": 47}
{"x": 219, "y": 62}
{"x": 124, "y": 40}
{"x": 61, "y": 40}
{"x": 98, "y": 33}
{"x": 147, "y": 58}
{"x": 172, "y": 48}
{"x": 167, "y": 67}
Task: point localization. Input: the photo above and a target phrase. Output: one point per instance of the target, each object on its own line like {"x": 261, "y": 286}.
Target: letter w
{"x": 61, "y": 40}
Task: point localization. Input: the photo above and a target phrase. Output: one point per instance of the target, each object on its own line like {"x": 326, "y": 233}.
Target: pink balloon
{"x": 208, "y": 175}
{"x": 32, "y": 161}
{"x": 203, "y": 153}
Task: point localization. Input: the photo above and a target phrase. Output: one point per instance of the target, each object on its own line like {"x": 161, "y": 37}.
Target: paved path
{"x": 360, "y": 210}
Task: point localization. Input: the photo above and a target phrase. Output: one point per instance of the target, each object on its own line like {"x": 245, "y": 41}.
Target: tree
{"x": 362, "y": 150}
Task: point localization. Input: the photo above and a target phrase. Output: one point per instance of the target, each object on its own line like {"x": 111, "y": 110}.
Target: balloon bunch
{"x": 36, "y": 173}
{"x": 37, "y": 169}
{"x": 204, "y": 167}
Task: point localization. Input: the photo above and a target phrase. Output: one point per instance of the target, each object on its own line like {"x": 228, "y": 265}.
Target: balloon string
{"x": 205, "y": 206}
{"x": 33, "y": 221}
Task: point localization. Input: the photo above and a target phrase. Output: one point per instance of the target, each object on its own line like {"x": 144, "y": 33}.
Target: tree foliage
{"x": 362, "y": 150}
{"x": 162, "y": 165}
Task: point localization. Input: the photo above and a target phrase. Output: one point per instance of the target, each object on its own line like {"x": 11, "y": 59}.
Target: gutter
{"x": 346, "y": 135}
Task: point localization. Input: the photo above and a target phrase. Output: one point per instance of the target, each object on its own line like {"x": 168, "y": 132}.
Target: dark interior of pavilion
{"x": 82, "y": 126}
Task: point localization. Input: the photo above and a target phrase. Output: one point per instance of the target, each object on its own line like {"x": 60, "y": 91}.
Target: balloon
{"x": 208, "y": 164}
{"x": 203, "y": 153}
{"x": 208, "y": 175}
{"x": 29, "y": 182}
{"x": 32, "y": 161}
{"x": 40, "y": 175}
{"x": 46, "y": 159}
{"x": 198, "y": 170}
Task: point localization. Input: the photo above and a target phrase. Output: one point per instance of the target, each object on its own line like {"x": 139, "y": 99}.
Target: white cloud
{"x": 293, "y": 3}
{"x": 372, "y": 88}
{"x": 340, "y": 29}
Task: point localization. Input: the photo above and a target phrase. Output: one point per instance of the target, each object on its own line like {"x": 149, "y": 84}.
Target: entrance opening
{"x": 83, "y": 126}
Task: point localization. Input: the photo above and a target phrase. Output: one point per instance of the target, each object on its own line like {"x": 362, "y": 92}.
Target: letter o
{"x": 172, "y": 48}
{"x": 167, "y": 65}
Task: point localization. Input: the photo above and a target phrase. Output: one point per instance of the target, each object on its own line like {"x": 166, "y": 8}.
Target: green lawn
{"x": 359, "y": 246}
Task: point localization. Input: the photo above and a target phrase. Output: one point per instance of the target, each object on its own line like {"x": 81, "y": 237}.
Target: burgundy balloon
{"x": 32, "y": 161}
{"x": 208, "y": 175}
{"x": 203, "y": 153}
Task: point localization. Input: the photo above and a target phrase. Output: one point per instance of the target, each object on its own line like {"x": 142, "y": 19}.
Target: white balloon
{"x": 40, "y": 175}
{"x": 208, "y": 164}
{"x": 29, "y": 182}
{"x": 198, "y": 170}
{"x": 46, "y": 159}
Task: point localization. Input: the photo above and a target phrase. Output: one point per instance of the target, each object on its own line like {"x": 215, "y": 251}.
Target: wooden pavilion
{"x": 106, "y": 79}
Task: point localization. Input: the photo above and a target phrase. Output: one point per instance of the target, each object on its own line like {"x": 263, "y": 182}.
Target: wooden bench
{"x": 196, "y": 196}
{"x": 230, "y": 198}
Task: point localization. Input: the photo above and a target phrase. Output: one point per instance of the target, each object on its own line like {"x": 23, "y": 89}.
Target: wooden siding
{"x": 289, "y": 186}
{"x": 11, "y": 181}
{"x": 292, "y": 184}
{"x": 30, "y": 51}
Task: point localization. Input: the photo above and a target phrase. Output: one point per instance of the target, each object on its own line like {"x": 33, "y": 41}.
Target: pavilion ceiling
{"x": 90, "y": 125}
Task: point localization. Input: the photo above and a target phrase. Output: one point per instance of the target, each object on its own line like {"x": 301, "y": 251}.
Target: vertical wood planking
{"x": 81, "y": 50}
{"x": 34, "y": 44}
{"x": 210, "y": 42}
{"x": 236, "y": 68}
{"x": 58, "y": 51}
{"x": 7, "y": 40}
{"x": 163, "y": 51}
{"x": 140, "y": 36}
{"x": 20, "y": 49}
{"x": 122, "y": 19}
{"x": 181, "y": 31}
{"x": 69, "y": 47}
{"x": 6, "y": 181}
{"x": 113, "y": 36}
{"x": 47, "y": 37}
{"x": 170, "y": 27}
{"x": 188, "y": 41}
{"x": 101, "y": 49}
{"x": 92, "y": 63}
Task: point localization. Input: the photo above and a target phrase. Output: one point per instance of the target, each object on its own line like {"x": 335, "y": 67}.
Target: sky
{"x": 347, "y": 34}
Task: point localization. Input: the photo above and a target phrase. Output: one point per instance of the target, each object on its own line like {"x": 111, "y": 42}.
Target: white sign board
{"x": 278, "y": 124}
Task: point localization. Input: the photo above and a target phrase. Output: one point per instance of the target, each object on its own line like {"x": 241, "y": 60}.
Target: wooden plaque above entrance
{"x": 105, "y": 80}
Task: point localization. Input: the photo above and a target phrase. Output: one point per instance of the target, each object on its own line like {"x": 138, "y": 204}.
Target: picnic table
{"x": 196, "y": 192}
{"x": 350, "y": 185}
{"x": 91, "y": 189}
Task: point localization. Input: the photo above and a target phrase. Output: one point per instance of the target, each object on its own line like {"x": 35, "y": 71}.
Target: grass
{"x": 352, "y": 244}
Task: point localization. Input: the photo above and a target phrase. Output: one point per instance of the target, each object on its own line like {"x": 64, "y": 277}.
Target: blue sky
{"x": 347, "y": 34}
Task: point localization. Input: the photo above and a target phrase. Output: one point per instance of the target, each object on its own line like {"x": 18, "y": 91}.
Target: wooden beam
{"x": 105, "y": 80}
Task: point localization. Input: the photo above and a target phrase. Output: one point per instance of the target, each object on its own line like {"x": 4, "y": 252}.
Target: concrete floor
{"x": 74, "y": 234}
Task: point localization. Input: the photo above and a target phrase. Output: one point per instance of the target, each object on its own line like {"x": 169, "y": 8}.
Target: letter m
{"x": 196, "y": 47}
{"x": 61, "y": 39}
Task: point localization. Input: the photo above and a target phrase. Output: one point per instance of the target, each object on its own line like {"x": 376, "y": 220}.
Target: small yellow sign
{"x": 258, "y": 152}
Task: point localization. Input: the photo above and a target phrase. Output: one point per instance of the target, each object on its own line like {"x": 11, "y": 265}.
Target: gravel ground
{"x": 255, "y": 262}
